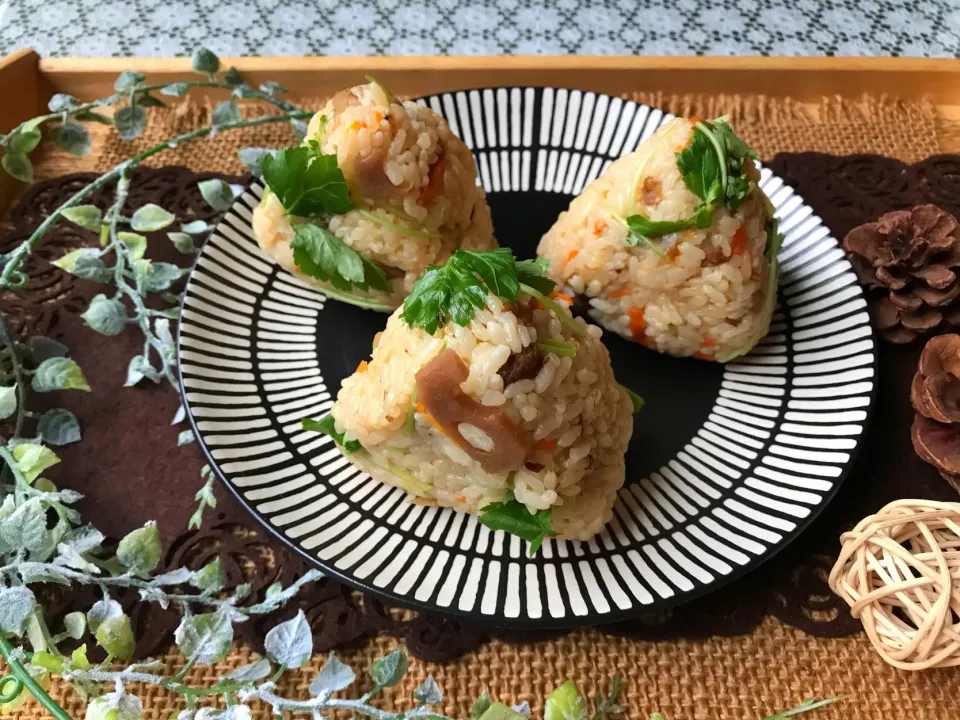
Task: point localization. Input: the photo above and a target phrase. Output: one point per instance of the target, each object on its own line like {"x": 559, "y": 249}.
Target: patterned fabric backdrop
{"x": 99, "y": 28}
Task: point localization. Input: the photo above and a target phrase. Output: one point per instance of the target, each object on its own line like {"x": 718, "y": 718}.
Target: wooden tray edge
{"x": 804, "y": 78}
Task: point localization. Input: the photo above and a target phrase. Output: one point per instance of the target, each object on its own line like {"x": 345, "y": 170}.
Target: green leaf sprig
{"x": 712, "y": 169}
{"x": 636, "y": 401}
{"x": 512, "y": 515}
{"x": 712, "y": 166}
{"x": 121, "y": 258}
{"x": 327, "y": 426}
{"x": 307, "y": 182}
{"x": 454, "y": 291}
{"x": 319, "y": 253}
{"x": 310, "y": 184}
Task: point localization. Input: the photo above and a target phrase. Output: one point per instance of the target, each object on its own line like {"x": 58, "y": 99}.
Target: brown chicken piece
{"x": 438, "y": 389}
{"x": 521, "y": 366}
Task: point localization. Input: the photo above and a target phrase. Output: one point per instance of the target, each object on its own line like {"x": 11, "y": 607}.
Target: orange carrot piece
{"x": 362, "y": 366}
{"x": 739, "y": 241}
{"x": 572, "y": 254}
{"x": 434, "y": 180}
{"x": 709, "y": 342}
{"x": 423, "y": 411}
{"x": 563, "y": 297}
{"x": 546, "y": 444}
{"x": 674, "y": 252}
{"x": 704, "y": 356}
{"x": 622, "y": 292}
{"x": 638, "y": 323}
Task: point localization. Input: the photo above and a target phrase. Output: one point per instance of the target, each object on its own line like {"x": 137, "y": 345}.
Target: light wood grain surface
{"x": 805, "y": 79}
{"x": 25, "y": 95}
{"x": 29, "y": 80}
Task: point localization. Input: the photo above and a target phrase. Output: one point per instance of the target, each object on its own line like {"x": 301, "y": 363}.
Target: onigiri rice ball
{"x": 413, "y": 184}
{"x": 655, "y": 262}
{"x": 517, "y": 405}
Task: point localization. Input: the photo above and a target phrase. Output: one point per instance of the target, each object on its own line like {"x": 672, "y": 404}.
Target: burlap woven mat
{"x": 722, "y": 678}
{"x": 871, "y": 125}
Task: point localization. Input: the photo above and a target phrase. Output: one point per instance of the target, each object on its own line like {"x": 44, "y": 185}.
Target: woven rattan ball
{"x": 899, "y": 571}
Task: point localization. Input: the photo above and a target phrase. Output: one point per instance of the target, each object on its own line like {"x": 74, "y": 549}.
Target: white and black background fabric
{"x": 100, "y": 28}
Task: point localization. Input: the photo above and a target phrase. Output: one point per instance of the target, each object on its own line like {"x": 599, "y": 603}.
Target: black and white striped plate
{"x": 727, "y": 463}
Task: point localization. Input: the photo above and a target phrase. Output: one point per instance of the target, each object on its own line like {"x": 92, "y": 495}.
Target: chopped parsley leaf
{"x": 712, "y": 169}
{"x": 643, "y": 229}
{"x": 322, "y": 255}
{"x": 531, "y": 273}
{"x": 454, "y": 291}
{"x": 712, "y": 165}
{"x": 374, "y": 81}
{"x": 701, "y": 167}
{"x": 512, "y": 515}
{"x": 637, "y": 401}
{"x": 307, "y": 182}
{"x": 327, "y": 426}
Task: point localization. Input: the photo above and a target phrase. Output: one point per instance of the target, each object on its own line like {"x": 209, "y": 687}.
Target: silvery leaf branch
{"x": 119, "y": 261}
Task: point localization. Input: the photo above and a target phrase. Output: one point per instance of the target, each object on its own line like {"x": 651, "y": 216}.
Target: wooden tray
{"x": 29, "y": 80}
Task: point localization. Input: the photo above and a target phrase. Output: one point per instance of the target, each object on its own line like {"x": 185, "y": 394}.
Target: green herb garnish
{"x": 712, "y": 165}
{"x": 512, "y": 515}
{"x": 642, "y": 229}
{"x": 702, "y": 165}
{"x": 327, "y": 426}
{"x": 563, "y": 315}
{"x": 638, "y": 402}
{"x": 322, "y": 255}
{"x": 410, "y": 421}
{"x": 774, "y": 240}
{"x": 712, "y": 169}
{"x": 454, "y": 291}
{"x": 530, "y": 273}
{"x": 396, "y": 227}
{"x": 307, "y": 182}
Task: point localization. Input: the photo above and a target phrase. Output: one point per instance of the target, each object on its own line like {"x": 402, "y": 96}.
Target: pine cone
{"x": 935, "y": 395}
{"x": 909, "y": 259}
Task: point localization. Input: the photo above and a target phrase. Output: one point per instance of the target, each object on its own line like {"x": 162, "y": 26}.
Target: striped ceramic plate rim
{"x": 778, "y": 442}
